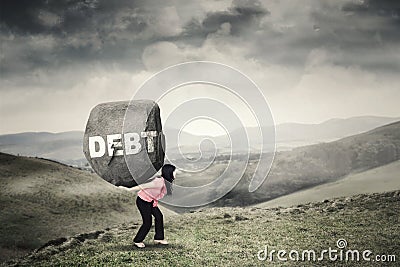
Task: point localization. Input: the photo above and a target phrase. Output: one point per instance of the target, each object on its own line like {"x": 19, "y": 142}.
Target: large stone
{"x": 123, "y": 141}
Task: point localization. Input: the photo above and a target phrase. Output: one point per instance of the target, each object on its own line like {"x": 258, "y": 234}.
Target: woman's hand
{"x": 123, "y": 187}
{"x": 132, "y": 189}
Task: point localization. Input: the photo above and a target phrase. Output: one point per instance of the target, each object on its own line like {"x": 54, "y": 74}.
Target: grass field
{"x": 234, "y": 236}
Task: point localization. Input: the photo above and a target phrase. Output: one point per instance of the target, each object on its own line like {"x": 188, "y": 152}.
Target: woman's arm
{"x": 151, "y": 184}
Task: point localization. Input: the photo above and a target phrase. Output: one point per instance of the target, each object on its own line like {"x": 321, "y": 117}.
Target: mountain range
{"x": 66, "y": 147}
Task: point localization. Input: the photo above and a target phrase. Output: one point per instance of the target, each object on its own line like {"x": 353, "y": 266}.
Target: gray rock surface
{"x": 123, "y": 141}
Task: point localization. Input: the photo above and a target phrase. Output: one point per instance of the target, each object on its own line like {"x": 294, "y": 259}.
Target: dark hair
{"x": 167, "y": 172}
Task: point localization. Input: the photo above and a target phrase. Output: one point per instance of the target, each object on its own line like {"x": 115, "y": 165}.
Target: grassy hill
{"x": 41, "y": 200}
{"x": 234, "y": 237}
{"x": 63, "y": 147}
{"x": 309, "y": 166}
{"x": 376, "y": 180}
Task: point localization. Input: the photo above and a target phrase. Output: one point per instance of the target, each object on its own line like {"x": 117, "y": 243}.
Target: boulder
{"x": 124, "y": 142}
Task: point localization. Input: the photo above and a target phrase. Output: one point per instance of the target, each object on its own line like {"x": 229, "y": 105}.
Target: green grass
{"x": 233, "y": 236}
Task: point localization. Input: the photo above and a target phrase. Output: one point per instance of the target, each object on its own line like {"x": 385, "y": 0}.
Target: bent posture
{"x": 147, "y": 201}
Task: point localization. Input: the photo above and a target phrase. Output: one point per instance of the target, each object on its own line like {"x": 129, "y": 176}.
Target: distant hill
{"x": 308, "y": 166}
{"x": 42, "y": 200}
{"x": 377, "y": 180}
{"x": 290, "y": 135}
{"x": 66, "y": 147}
{"x": 330, "y": 129}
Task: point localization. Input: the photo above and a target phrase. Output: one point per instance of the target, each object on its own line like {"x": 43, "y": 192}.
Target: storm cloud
{"x": 52, "y": 34}
{"x": 78, "y": 49}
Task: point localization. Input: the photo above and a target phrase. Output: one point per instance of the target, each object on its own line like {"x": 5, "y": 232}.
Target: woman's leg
{"x": 159, "y": 223}
{"x": 145, "y": 211}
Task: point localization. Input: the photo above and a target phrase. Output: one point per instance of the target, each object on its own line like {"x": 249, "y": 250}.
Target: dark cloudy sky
{"x": 314, "y": 60}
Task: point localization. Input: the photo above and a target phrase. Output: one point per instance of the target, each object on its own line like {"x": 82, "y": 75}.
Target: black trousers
{"x": 146, "y": 210}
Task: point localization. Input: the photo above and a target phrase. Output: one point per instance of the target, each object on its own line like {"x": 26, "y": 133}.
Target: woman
{"x": 147, "y": 201}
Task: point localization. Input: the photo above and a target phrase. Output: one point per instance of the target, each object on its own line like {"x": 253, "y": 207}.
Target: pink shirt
{"x": 153, "y": 190}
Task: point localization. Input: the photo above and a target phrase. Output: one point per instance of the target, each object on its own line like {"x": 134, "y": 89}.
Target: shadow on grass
{"x": 149, "y": 247}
